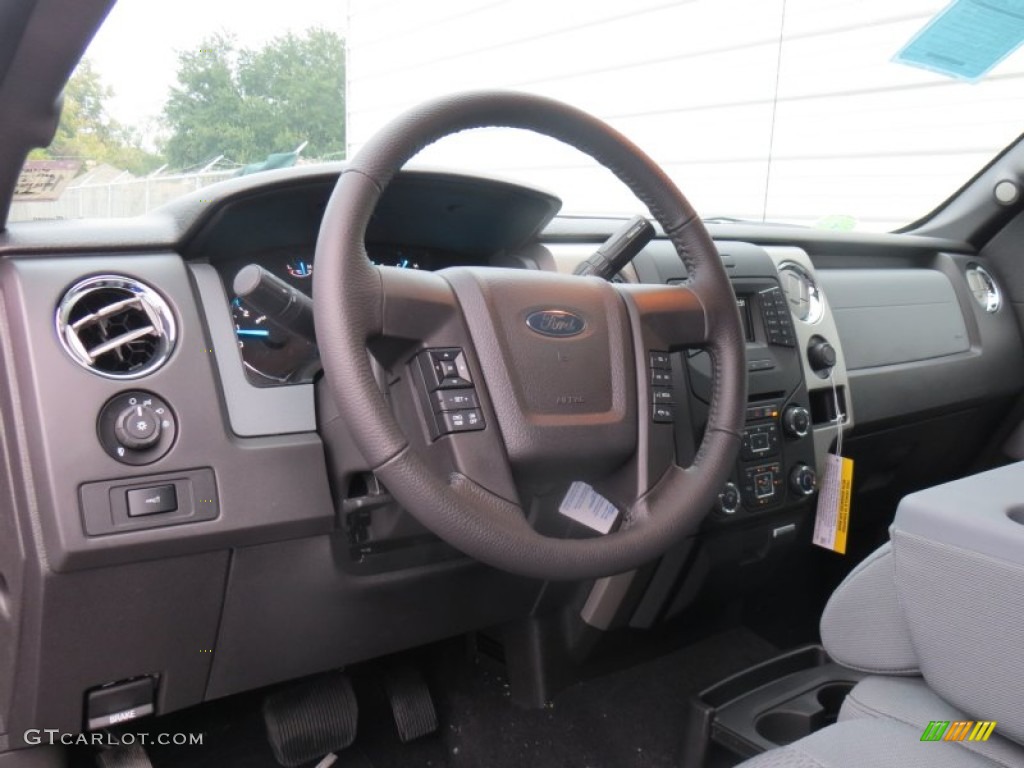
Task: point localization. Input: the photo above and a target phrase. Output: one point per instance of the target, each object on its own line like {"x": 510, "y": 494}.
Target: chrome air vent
{"x": 116, "y": 327}
{"x": 984, "y": 288}
{"x": 802, "y": 293}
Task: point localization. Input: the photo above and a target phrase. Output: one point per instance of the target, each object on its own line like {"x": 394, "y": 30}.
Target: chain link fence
{"x": 115, "y": 198}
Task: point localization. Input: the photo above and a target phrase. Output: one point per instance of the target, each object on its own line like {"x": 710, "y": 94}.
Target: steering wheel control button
{"x": 803, "y": 480}
{"x": 761, "y": 485}
{"x": 136, "y": 427}
{"x": 152, "y": 501}
{"x": 662, "y": 396}
{"x": 661, "y": 378}
{"x": 446, "y": 369}
{"x": 778, "y": 322}
{"x": 662, "y": 414}
{"x": 661, "y": 360}
{"x": 796, "y": 420}
{"x": 729, "y": 499}
{"x": 455, "y": 399}
{"x": 469, "y": 420}
{"x": 122, "y": 702}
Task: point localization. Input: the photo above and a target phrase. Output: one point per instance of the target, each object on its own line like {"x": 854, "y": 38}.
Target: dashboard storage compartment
{"x": 768, "y": 705}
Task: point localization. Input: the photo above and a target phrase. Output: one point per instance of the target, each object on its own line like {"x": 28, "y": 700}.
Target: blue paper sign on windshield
{"x": 968, "y": 38}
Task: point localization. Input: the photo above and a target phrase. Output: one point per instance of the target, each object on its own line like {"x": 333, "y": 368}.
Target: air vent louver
{"x": 116, "y": 327}
{"x": 984, "y": 288}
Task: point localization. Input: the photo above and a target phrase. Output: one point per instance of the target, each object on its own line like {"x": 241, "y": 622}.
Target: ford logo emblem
{"x": 556, "y": 322}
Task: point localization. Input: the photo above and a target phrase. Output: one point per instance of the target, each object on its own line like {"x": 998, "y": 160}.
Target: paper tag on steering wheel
{"x": 588, "y": 507}
{"x": 832, "y": 520}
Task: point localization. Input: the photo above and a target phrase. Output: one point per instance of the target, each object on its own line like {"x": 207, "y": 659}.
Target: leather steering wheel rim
{"x": 349, "y": 305}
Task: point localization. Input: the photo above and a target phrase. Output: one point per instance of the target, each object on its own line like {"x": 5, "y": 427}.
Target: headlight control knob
{"x": 803, "y": 480}
{"x": 729, "y": 499}
{"x": 796, "y": 420}
{"x": 137, "y": 427}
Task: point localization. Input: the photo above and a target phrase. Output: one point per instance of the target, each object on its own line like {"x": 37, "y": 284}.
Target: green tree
{"x": 87, "y": 132}
{"x": 246, "y": 103}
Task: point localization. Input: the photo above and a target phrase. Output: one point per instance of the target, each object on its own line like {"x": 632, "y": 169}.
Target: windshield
{"x": 827, "y": 114}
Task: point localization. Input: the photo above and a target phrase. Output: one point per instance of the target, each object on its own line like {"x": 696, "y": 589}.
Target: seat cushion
{"x": 869, "y": 743}
{"x": 909, "y": 700}
{"x": 863, "y": 626}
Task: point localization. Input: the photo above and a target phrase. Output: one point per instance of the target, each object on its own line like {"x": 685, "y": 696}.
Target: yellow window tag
{"x": 832, "y": 520}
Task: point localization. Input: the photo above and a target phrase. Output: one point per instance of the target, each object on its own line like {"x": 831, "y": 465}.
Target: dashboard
{"x": 278, "y": 529}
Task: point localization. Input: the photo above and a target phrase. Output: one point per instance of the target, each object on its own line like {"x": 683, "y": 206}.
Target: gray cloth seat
{"x": 869, "y": 743}
{"x": 909, "y": 700}
{"x": 934, "y": 618}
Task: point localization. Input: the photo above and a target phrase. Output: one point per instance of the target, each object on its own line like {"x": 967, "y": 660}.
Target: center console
{"x": 797, "y": 398}
{"x": 796, "y": 377}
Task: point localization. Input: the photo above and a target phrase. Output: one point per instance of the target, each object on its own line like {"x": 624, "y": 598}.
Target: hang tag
{"x": 832, "y": 520}
{"x": 588, "y": 507}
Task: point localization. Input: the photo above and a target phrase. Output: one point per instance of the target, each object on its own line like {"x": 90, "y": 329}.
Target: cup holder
{"x": 801, "y": 716}
{"x": 831, "y": 698}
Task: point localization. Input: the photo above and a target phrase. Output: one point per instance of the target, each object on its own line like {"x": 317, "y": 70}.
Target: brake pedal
{"x": 411, "y": 702}
{"x": 310, "y": 720}
{"x": 133, "y": 756}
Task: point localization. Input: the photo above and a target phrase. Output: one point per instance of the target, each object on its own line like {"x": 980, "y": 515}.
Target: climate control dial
{"x": 796, "y": 420}
{"x": 729, "y": 499}
{"x": 803, "y": 480}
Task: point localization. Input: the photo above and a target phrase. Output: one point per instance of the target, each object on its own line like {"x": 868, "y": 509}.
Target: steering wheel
{"x": 555, "y": 408}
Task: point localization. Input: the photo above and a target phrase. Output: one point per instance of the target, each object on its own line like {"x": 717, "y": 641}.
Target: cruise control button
{"x": 151, "y": 501}
{"x": 460, "y": 421}
{"x": 455, "y": 399}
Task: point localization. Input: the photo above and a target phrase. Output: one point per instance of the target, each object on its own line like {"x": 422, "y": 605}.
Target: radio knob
{"x": 821, "y": 355}
{"x": 796, "y": 420}
{"x": 803, "y": 480}
{"x": 729, "y": 499}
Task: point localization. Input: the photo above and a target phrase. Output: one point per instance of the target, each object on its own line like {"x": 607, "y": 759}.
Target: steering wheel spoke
{"x": 672, "y": 317}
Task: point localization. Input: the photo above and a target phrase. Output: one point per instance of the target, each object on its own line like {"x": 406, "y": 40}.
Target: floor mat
{"x": 628, "y": 718}
{"x": 631, "y": 717}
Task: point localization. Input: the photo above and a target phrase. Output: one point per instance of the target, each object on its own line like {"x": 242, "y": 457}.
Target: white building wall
{"x": 854, "y": 133}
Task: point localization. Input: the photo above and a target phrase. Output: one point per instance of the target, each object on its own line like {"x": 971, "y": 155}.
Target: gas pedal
{"x": 411, "y": 702}
{"x": 133, "y": 756}
{"x": 311, "y": 719}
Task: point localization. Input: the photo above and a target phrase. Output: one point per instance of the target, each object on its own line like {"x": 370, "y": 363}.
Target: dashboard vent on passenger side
{"x": 116, "y": 327}
{"x": 984, "y": 288}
